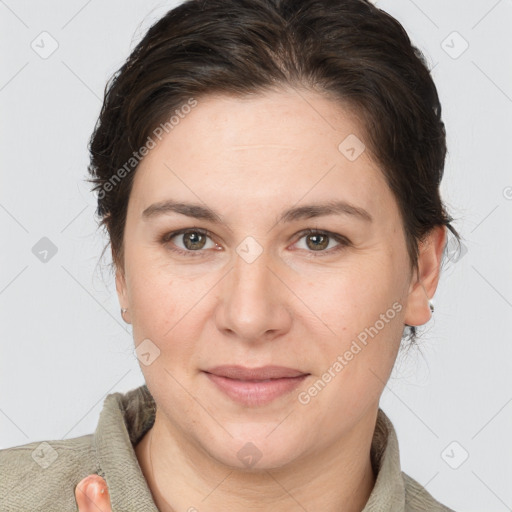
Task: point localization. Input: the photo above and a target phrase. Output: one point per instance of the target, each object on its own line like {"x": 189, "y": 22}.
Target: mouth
{"x": 255, "y": 386}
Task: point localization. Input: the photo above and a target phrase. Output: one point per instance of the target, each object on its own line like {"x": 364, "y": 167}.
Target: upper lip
{"x": 260, "y": 373}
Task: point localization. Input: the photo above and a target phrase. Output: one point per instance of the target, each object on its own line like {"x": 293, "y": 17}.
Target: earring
{"x": 431, "y": 305}
{"x": 123, "y": 311}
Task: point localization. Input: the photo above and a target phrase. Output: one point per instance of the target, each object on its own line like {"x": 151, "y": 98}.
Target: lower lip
{"x": 252, "y": 393}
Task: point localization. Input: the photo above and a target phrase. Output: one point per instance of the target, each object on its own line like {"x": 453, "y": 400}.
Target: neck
{"x": 182, "y": 477}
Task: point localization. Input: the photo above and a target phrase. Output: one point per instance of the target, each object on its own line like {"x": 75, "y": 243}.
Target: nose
{"x": 254, "y": 302}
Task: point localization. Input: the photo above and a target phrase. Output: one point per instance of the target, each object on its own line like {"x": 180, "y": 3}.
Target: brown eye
{"x": 317, "y": 242}
{"x": 193, "y": 240}
{"x": 321, "y": 242}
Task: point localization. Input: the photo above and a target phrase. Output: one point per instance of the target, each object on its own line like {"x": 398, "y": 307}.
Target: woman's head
{"x": 245, "y": 124}
{"x": 345, "y": 49}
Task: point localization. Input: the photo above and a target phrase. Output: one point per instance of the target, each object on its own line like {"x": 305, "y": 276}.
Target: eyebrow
{"x": 309, "y": 211}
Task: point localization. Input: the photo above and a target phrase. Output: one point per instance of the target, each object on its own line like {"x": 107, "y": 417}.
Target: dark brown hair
{"x": 348, "y": 50}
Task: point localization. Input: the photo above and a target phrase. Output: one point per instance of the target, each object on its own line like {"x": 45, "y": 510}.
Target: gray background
{"x": 64, "y": 345}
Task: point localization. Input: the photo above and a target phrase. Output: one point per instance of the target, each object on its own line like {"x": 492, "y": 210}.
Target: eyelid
{"x": 342, "y": 240}
{"x": 171, "y": 234}
{"x": 167, "y": 236}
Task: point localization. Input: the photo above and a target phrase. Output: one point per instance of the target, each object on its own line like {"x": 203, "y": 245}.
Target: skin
{"x": 294, "y": 305}
{"x": 91, "y": 495}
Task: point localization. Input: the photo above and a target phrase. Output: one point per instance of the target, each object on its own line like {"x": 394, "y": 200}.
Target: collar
{"x": 123, "y": 421}
{"x": 125, "y": 418}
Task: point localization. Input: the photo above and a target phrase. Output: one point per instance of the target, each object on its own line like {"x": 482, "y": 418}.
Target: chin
{"x": 256, "y": 448}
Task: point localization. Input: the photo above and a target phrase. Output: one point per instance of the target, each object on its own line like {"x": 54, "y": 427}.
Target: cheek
{"x": 362, "y": 324}
{"x": 158, "y": 301}
{"x": 168, "y": 309}
{"x": 355, "y": 355}
{"x": 163, "y": 315}
{"x": 351, "y": 300}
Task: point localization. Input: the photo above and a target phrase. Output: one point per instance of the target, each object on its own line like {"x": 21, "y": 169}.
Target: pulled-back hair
{"x": 348, "y": 50}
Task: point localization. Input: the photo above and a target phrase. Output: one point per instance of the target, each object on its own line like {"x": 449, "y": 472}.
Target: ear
{"x": 122, "y": 293}
{"x": 424, "y": 282}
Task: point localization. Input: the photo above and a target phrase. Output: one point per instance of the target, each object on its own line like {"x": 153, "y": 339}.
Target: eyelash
{"x": 342, "y": 241}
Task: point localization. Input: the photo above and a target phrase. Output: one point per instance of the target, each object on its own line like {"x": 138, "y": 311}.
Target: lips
{"x": 255, "y": 386}
{"x": 255, "y": 374}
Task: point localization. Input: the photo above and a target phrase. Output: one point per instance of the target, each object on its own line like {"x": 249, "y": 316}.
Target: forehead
{"x": 278, "y": 146}
{"x": 290, "y": 120}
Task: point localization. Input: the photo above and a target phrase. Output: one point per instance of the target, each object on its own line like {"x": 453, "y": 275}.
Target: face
{"x": 254, "y": 240}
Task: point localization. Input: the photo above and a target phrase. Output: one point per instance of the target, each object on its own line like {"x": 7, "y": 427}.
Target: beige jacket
{"x": 43, "y": 475}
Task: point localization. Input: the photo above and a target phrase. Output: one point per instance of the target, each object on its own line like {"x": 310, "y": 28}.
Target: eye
{"x": 196, "y": 241}
{"x": 189, "y": 241}
{"x": 323, "y": 242}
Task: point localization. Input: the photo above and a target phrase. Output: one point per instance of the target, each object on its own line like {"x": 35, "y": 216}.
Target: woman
{"x": 268, "y": 173}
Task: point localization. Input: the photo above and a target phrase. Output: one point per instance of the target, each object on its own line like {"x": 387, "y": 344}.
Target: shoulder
{"x": 418, "y": 499}
{"x": 42, "y": 475}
